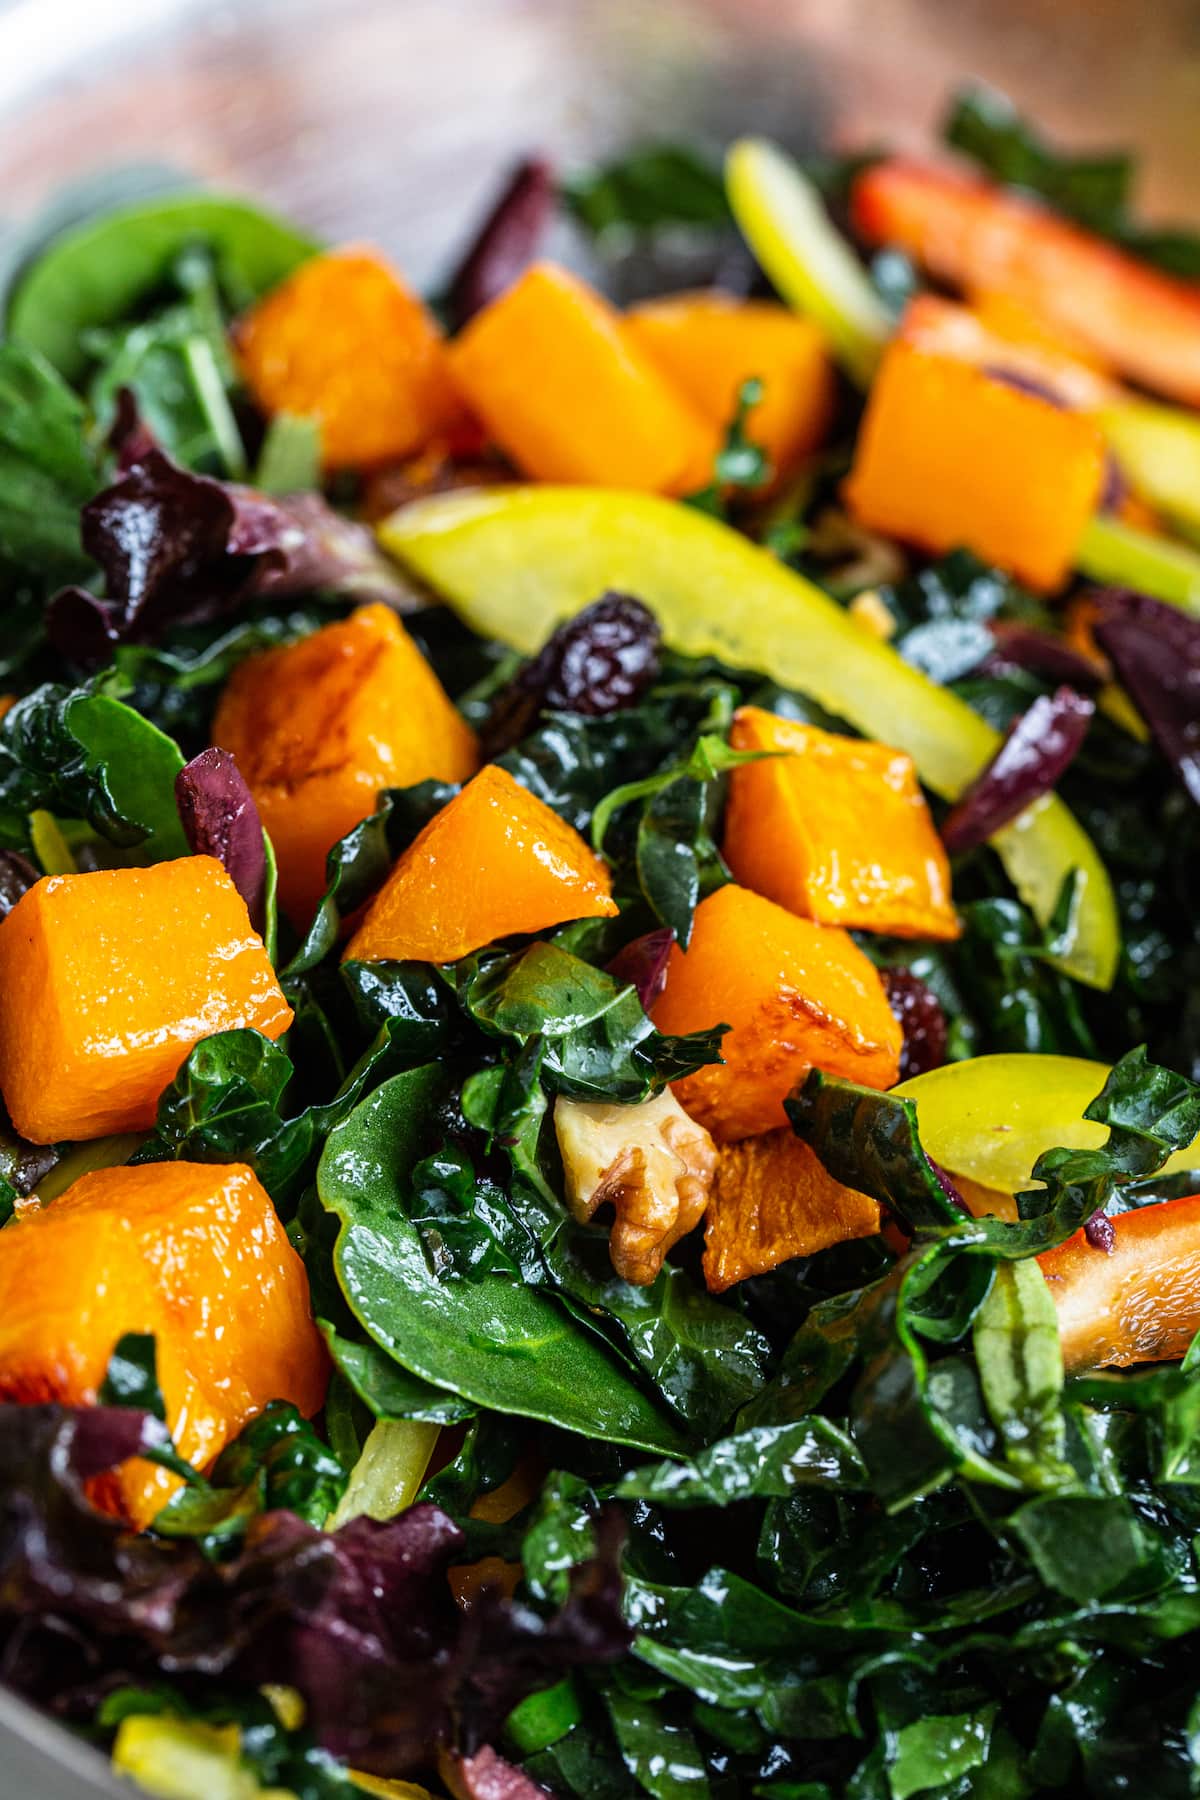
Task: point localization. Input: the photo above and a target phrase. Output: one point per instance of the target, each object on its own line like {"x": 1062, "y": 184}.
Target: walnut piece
{"x": 652, "y": 1162}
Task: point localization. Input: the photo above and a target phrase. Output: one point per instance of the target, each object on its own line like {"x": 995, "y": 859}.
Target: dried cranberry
{"x": 921, "y": 1019}
{"x": 596, "y": 663}
{"x": 1099, "y": 1233}
{"x": 643, "y": 964}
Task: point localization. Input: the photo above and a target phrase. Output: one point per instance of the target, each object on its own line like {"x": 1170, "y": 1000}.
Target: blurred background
{"x": 388, "y": 119}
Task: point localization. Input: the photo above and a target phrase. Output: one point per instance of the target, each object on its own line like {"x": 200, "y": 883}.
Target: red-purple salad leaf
{"x": 220, "y": 819}
{"x": 1155, "y": 651}
{"x": 643, "y": 964}
{"x": 919, "y": 1014}
{"x": 1041, "y": 653}
{"x": 361, "y": 1621}
{"x": 506, "y": 243}
{"x": 179, "y": 548}
{"x": 1038, "y": 749}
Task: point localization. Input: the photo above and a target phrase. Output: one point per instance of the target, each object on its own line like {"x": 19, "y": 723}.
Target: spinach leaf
{"x": 47, "y": 471}
{"x": 493, "y": 1342}
{"x": 647, "y": 188}
{"x": 389, "y": 1391}
{"x": 83, "y": 753}
{"x": 930, "y": 1753}
{"x": 97, "y": 273}
{"x": 704, "y": 1359}
{"x": 661, "y": 1754}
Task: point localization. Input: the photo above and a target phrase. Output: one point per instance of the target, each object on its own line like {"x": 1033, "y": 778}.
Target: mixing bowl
{"x": 391, "y": 120}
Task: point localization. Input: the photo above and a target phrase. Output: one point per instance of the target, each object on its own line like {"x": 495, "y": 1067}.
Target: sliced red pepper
{"x": 975, "y": 235}
{"x": 1138, "y": 1301}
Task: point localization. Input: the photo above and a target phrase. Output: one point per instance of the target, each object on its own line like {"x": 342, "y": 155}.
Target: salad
{"x": 600, "y": 989}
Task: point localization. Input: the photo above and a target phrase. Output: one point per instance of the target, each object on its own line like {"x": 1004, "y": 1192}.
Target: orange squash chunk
{"x": 570, "y": 396}
{"x": 192, "y": 1252}
{"x": 773, "y": 1199}
{"x": 494, "y": 861}
{"x": 709, "y": 343}
{"x": 836, "y": 830}
{"x": 107, "y": 980}
{"x": 794, "y": 995}
{"x": 1139, "y": 1302}
{"x": 345, "y": 342}
{"x": 320, "y": 726}
{"x": 950, "y": 455}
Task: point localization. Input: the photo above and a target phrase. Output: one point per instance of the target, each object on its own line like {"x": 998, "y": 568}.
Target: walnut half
{"x": 651, "y": 1161}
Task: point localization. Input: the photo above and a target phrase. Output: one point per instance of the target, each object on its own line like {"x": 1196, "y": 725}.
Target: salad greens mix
{"x": 885, "y": 1519}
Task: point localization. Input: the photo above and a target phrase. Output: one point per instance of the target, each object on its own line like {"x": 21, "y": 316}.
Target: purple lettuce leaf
{"x": 179, "y": 548}
{"x": 1155, "y": 651}
{"x": 506, "y": 243}
{"x": 643, "y": 964}
{"x": 220, "y": 819}
{"x": 1039, "y": 748}
{"x": 361, "y": 1621}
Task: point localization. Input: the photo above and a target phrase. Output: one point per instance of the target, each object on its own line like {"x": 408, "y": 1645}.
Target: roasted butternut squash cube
{"x": 953, "y": 455}
{"x": 795, "y": 996}
{"x": 107, "y": 980}
{"x": 709, "y": 343}
{"x": 345, "y": 342}
{"x": 835, "y": 829}
{"x": 772, "y": 1200}
{"x": 195, "y": 1254}
{"x": 494, "y": 861}
{"x": 320, "y": 726}
{"x": 567, "y": 393}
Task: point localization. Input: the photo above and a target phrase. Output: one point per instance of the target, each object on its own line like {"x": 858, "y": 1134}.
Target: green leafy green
{"x": 1094, "y": 188}
{"x": 1021, "y": 1370}
{"x": 99, "y": 272}
{"x": 494, "y": 1342}
{"x": 646, "y": 189}
{"x": 47, "y": 470}
{"x": 83, "y": 753}
{"x": 277, "y": 1461}
{"x": 766, "y": 1462}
